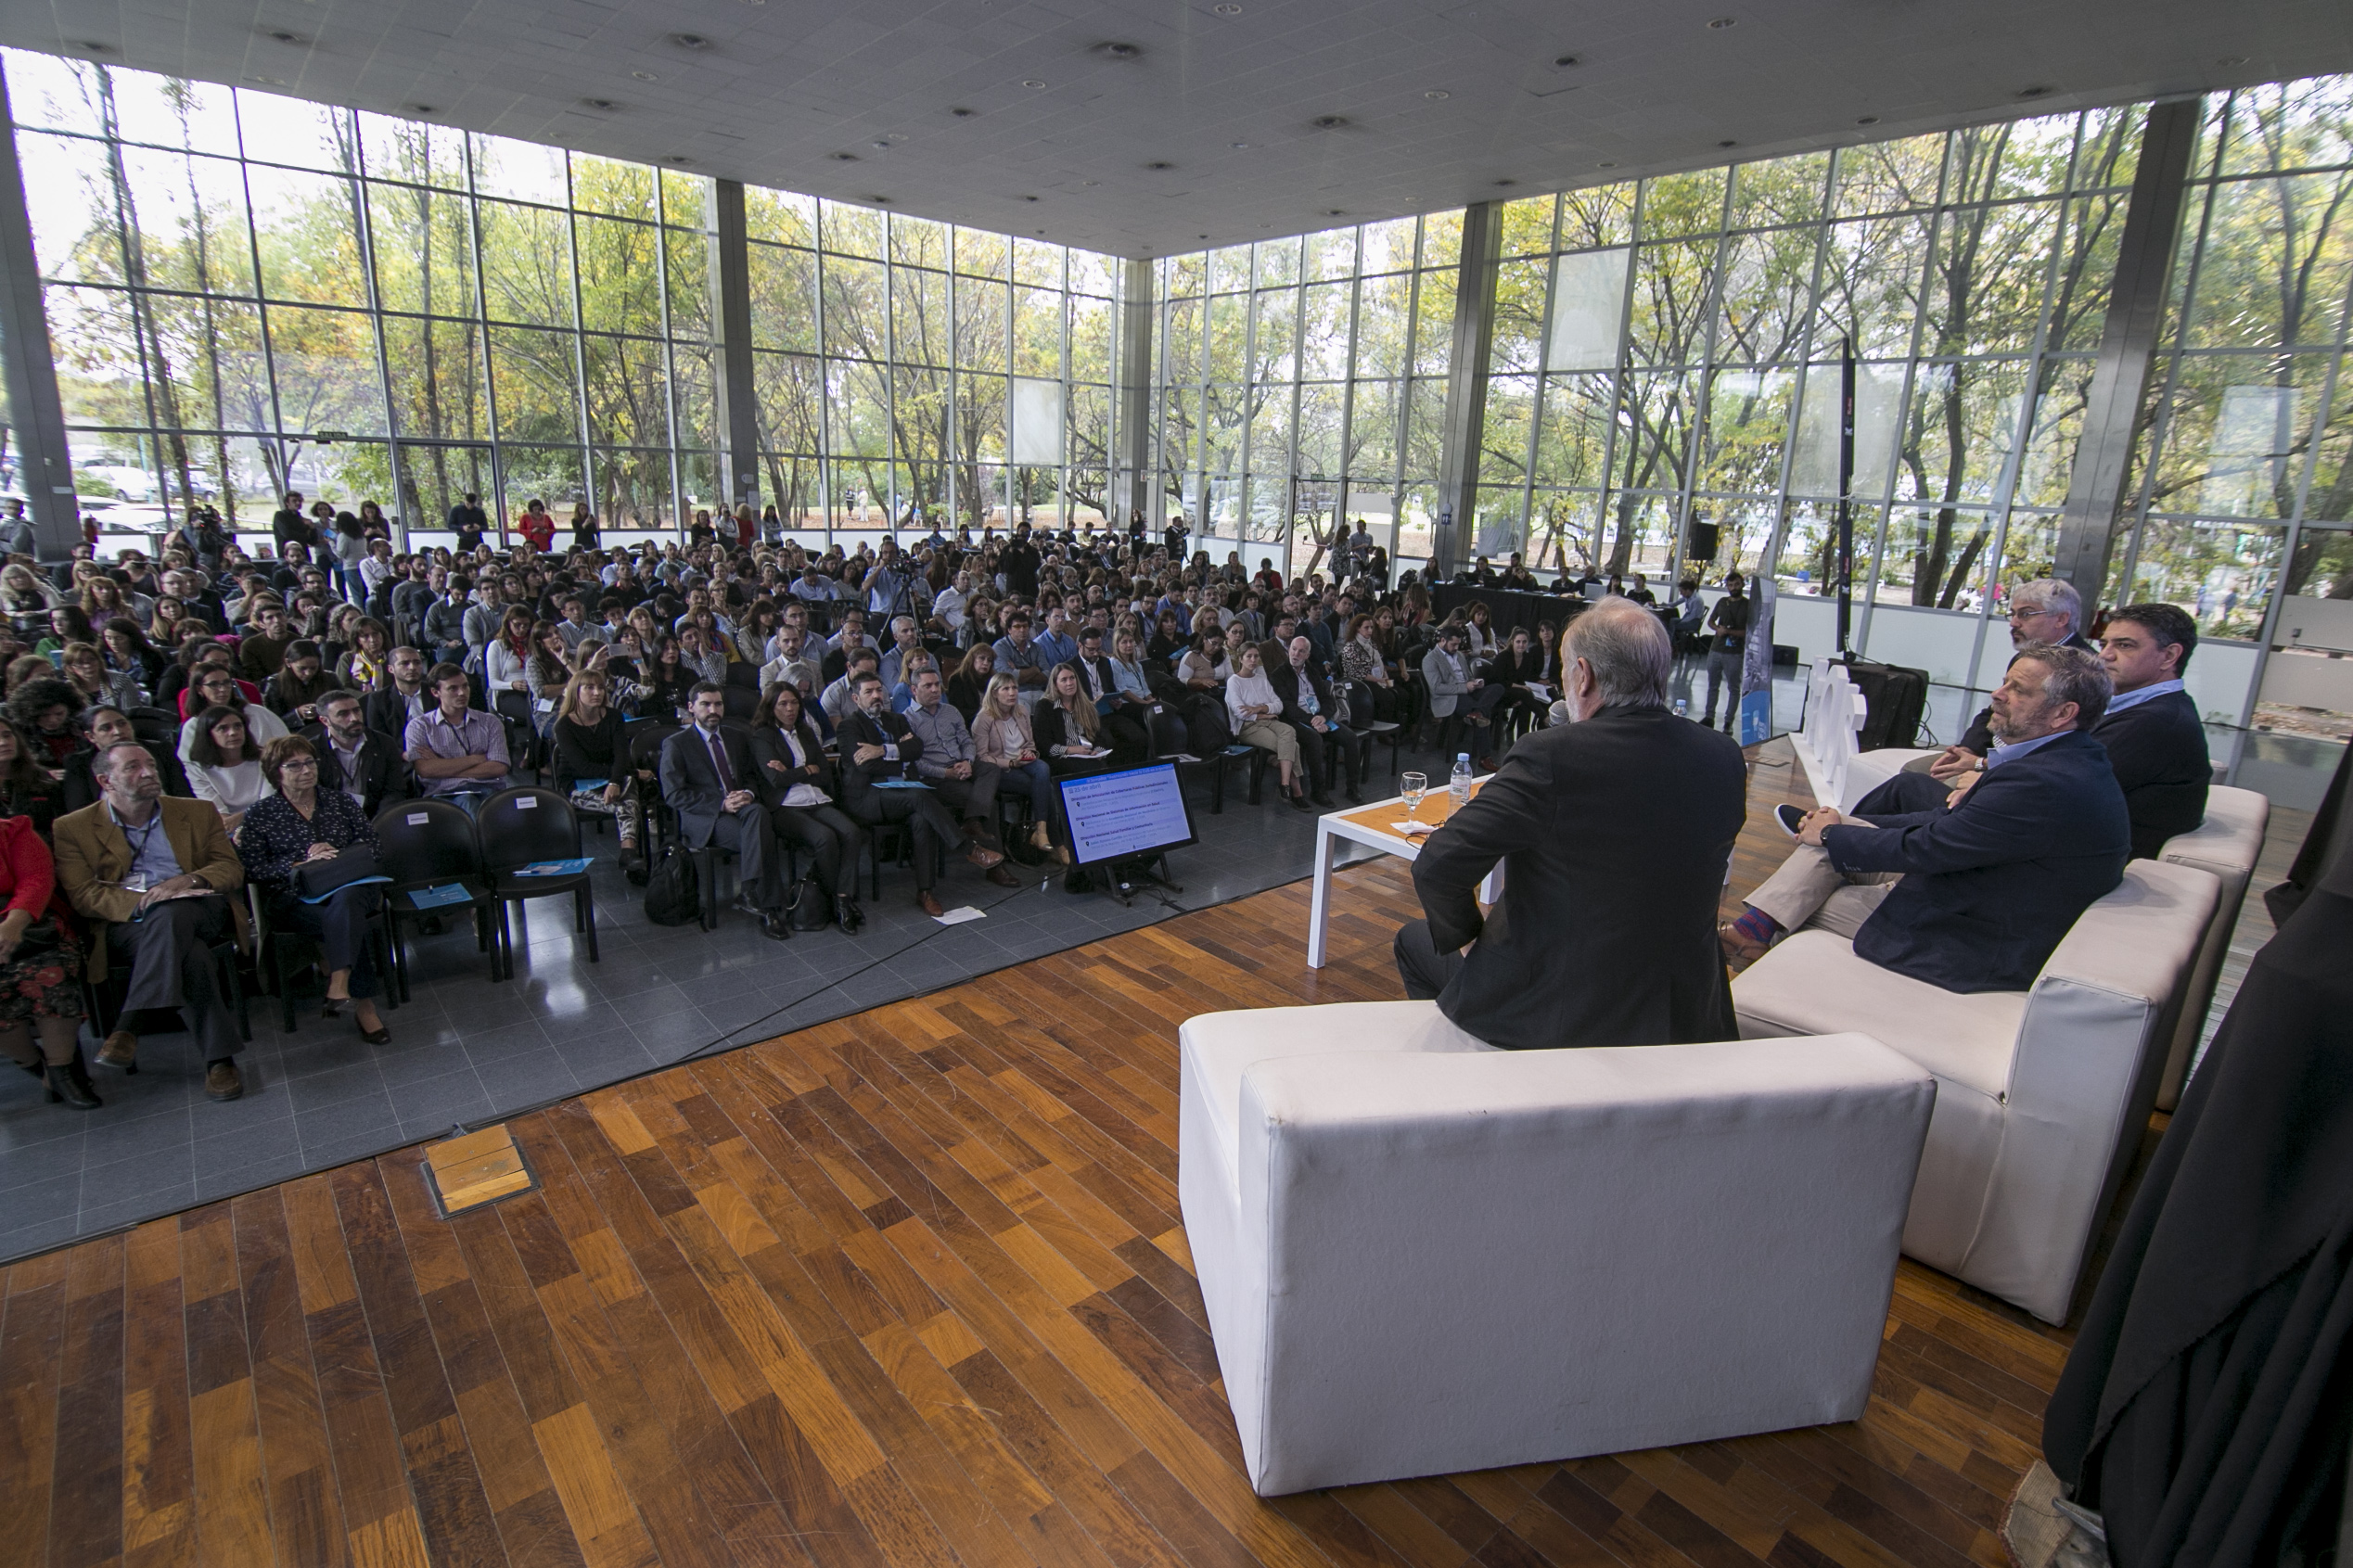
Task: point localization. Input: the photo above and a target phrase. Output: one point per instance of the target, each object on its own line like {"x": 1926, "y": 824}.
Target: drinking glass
{"x": 1413, "y": 786}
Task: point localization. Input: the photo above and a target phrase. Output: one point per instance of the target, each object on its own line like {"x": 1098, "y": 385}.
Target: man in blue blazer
{"x": 1974, "y": 894}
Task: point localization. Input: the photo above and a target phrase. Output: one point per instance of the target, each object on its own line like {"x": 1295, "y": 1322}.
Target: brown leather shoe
{"x": 1740, "y": 948}
{"x": 929, "y": 905}
{"x": 121, "y": 1049}
{"x": 1002, "y": 876}
{"x": 222, "y": 1082}
{"x": 982, "y": 856}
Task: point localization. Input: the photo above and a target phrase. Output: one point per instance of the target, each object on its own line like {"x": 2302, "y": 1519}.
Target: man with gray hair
{"x": 1617, "y": 827}
{"x": 2045, "y": 611}
{"x": 1972, "y": 895}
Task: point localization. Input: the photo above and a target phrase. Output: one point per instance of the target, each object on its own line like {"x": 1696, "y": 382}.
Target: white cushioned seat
{"x": 1867, "y": 770}
{"x": 1420, "y": 1255}
{"x": 2227, "y": 843}
{"x": 2029, "y": 1140}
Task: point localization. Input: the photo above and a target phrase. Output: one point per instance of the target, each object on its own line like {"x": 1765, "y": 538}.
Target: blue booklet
{"x": 901, "y": 783}
{"x": 355, "y": 882}
{"x": 435, "y": 898}
{"x": 554, "y": 868}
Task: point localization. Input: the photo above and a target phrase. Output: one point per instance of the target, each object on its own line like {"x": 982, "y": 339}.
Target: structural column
{"x": 2128, "y": 347}
{"x": 731, "y": 312}
{"x": 1134, "y": 456}
{"x": 36, "y": 415}
{"x": 1466, "y": 415}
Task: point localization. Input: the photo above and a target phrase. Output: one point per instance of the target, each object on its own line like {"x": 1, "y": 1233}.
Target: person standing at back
{"x": 467, "y": 519}
{"x": 1617, "y": 828}
{"x": 1729, "y": 621}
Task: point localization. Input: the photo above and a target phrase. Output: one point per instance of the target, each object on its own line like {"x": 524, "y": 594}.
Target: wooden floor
{"x": 908, "y": 1289}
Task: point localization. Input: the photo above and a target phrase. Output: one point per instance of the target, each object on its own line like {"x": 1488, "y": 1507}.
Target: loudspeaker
{"x": 1702, "y": 542}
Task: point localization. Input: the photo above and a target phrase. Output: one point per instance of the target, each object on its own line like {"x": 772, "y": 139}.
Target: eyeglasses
{"x": 2028, "y": 612}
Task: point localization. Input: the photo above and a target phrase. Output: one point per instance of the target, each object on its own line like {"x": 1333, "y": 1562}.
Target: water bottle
{"x": 1459, "y": 787}
{"x": 1682, "y": 708}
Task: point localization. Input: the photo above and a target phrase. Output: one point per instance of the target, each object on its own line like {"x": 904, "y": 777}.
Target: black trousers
{"x": 339, "y": 926}
{"x": 169, "y": 952}
{"x": 975, "y": 799}
{"x": 1326, "y": 751}
{"x": 1424, "y": 970}
{"x": 759, "y": 864}
{"x": 832, "y": 841}
{"x": 935, "y": 831}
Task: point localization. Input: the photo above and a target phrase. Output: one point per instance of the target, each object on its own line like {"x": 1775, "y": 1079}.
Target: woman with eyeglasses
{"x": 300, "y": 824}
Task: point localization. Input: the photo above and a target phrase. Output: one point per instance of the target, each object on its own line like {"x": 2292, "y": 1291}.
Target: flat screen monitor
{"x": 1123, "y": 815}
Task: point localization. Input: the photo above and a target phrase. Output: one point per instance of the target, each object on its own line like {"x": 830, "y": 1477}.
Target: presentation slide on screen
{"x": 1116, "y": 815}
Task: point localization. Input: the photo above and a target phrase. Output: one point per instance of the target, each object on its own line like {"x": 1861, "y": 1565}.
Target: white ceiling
{"x": 1443, "y": 103}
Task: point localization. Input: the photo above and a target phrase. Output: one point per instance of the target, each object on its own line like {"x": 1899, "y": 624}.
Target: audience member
{"x": 41, "y": 968}
{"x": 359, "y": 762}
{"x": 591, "y": 759}
{"x": 1329, "y": 746}
{"x": 878, "y": 756}
{"x": 224, "y": 765}
{"x": 1256, "y": 714}
{"x": 1447, "y": 672}
{"x": 950, "y": 764}
{"x": 152, "y": 876}
{"x": 215, "y": 687}
{"x": 459, "y": 753}
{"x": 800, "y": 783}
{"x": 404, "y": 696}
{"x": 1004, "y": 737}
{"x": 1602, "y": 938}
{"x": 299, "y": 826}
{"x": 1974, "y": 894}
{"x": 709, "y": 779}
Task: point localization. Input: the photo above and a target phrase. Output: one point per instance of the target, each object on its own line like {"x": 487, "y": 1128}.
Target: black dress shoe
{"x": 1321, "y": 798}
{"x": 1355, "y": 795}
{"x": 1300, "y": 802}
{"x": 1003, "y": 876}
{"x": 776, "y": 927}
{"x": 847, "y": 915}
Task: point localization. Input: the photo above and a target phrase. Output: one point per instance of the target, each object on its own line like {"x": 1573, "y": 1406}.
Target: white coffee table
{"x": 1368, "y": 825}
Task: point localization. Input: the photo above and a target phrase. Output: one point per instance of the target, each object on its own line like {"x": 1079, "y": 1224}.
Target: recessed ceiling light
{"x": 279, "y": 35}
{"x": 1028, "y": 199}
{"x": 95, "y": 48}
{"x": 1227, "y": 9}
{"x": 1329, "y": 121}
{"x": 418, "y": 109}
{"x": 600, "y": 103}
{"x": 1159, "y": 163}
{"x": 1606, "y": 164}
{"x": 1033, "y": 84}
{"x": 1566, "y": 59}
{"x": 2036, "y": 92}
{"x": 879, "y": 201}
{"x": 264, "y": 80}
{"x": 1728, "y": 141}
{"x": 644, "y": 76}
{"x": 1205, "y": 236}
{"x": 2231, "y": 59}
{"x": 1239, "y": 147}
{"x": 678, "y": 157}
{"x": 844, "y": 156}
{"x": 1868, "y": 120}
{"x": 1722, "y": 22}
{"x": 1335, "y": 212}
{"x": 961, "y": 113}
{"x": 882, "y": 143}
{"x": 1436, "y": 95}
{"x": 1118, "y": 51}
{"x": 690, "y": 40}
{"x": 1507, "y": 182}
{"x": 1089, "y": 185}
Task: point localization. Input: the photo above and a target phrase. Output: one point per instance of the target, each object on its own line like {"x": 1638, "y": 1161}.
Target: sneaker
{"x": 1791, "y": 818}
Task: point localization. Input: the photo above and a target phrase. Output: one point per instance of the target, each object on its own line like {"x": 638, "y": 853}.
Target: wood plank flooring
{"x": 908, "y": 1290}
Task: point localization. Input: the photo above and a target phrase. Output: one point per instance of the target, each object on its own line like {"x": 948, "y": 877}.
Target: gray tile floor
{"x": 465, "y": 1050}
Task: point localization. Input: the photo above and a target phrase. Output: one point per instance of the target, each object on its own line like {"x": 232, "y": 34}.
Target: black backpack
{"x": 674, "y": 894}
{"x": 1206, "y": 728}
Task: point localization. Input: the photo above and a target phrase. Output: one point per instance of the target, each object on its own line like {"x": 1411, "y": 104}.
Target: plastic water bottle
{"x": 1459, "y": 787}
{"x": 1682, "y": 708}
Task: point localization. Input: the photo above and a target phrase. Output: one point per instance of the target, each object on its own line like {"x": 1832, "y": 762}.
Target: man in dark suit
{"x": 2154, "y": 740}
{"x": 364, "y": 763}
{"x": 877, "y": 745}
{"x": 1326, "y": 745}
{"x": 1974, "y": 894}
{"x": 711, "y": 780}
{"x": 2045, "y": 611}
{"x": 402, "y": 697}
{"x": 1616, "y": 829}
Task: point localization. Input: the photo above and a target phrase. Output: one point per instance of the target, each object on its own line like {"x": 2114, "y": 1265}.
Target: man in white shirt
{"x": 948, "y": 604}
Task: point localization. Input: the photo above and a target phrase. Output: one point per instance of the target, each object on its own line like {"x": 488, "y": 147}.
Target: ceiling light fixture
{"x": 1607, "y": 163}
{"x": 1728, "y": 141}
{"x": 690, "y": 40}
{"x": 882, "y": 144}
{"x": 678, "y": 157}
{"x": 1028, "y": 199}
{"x": 644, "y": 76}
{"x": 1868, "y": 120}
{"x": 1228, "y": 9}
{"x": 1159, "y": 163}
{"x": 1033, "y": 84}
{"x": 1722, "y": 22}
{"x": 418, "y": 109}
{"x": 844, "y": 156}
{"x": 1329, "y": 121}
{"x": 264, "y": 80}
{"x": 600, "y": 103}
{"x": 1117, "y": 51}
{"x": 879, "y": 201}
{"x": 95, "y": 48}
{"x": 279, "y": 35}
{"x": 2036, "y": 92}
{"x": 1567, "y": 60}
{"x": 1438, "y": 94}
{"x": 1507, "y": 182}
{"x": 1335, "y": 212}
{"x": 960, "y": 113}
{"x": 1239, "y": 147}
{"x": 2231, "y": 59}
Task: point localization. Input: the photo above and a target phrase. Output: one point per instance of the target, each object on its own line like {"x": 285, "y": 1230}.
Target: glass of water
{"x": 1413, "y": 786}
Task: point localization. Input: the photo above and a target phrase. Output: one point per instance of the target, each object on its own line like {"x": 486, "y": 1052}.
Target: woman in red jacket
{"x": 537, "y": 525}
{"x": 40, "y": 969}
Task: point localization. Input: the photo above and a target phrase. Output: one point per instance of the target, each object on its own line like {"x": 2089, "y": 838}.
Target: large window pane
{"x": 527, "y": 264}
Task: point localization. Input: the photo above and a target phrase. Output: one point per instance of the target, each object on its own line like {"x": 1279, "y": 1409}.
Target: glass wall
{"x": 913, "y": 369}
{"x": 1304, "y": 379}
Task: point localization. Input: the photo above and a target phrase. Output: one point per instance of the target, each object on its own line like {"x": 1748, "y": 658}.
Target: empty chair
{"x": 519, "y": 827}
{"x": 424, "y": 843}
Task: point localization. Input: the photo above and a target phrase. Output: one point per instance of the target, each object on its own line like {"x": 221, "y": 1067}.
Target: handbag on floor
{"x": 808, "y": 908}
{"x": 673, "y": 892}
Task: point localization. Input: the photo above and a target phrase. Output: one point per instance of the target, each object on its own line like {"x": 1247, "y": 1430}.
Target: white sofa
{"x": 2227, "y": 843}
{"x": 2041, "y": 1094}
{"x": 1423, "y": 1255}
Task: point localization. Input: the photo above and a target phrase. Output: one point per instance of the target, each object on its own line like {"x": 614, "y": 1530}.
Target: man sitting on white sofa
{"x": 1972, "y": 895}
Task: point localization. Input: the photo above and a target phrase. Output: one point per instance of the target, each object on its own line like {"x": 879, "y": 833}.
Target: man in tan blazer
{"x": 152, "y": 875}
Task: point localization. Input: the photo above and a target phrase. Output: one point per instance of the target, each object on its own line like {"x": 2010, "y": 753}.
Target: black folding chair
{"x": 424, "y": 843}
{"x": 278, "y": 954}
{"x": 516, "y": 827}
